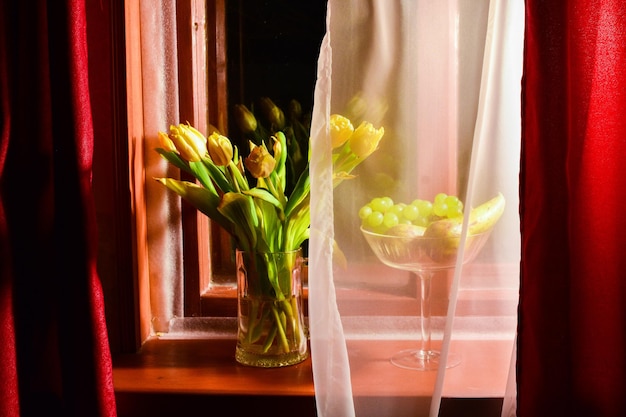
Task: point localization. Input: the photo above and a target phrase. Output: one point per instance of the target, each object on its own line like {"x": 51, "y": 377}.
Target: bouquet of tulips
{"x": 261, "y": 215}
{"x": 266, "y": 119}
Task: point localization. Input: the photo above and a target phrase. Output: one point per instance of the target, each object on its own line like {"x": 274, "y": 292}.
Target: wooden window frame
{"x": 119, "y": 166}
{"x": 182, "y": 375}
{"x": 202, "y": 40}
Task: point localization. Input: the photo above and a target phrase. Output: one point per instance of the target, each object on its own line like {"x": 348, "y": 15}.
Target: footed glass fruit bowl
{"x": 424, "y": 237}
{"x": 423, "y": 255}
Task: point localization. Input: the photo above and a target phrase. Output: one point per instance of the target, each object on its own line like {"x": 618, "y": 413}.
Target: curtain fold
{"x": 54, "y": 333}
{"x": 443, "y": 79}
{"x": 572, "y": 341}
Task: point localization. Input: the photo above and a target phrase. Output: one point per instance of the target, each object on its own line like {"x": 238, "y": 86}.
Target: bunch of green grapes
{"x": 382, "y": 213}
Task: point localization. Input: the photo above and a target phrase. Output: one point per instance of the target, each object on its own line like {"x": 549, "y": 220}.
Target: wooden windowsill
{"x": 194, "y": 376}
{"x": 172, "y": 376}
{"x": 192, "y": 370}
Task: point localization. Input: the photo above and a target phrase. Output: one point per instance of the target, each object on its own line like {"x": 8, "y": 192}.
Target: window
{"x": 220, "y": 47}
{"x": 202, "y": 98}
{"x": 208, "y": 74}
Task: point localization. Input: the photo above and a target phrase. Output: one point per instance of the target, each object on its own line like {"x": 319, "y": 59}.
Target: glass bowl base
{"x": 421, "y": 360}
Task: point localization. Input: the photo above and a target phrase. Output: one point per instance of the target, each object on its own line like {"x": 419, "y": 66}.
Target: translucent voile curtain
{"x": 443, "y": 79}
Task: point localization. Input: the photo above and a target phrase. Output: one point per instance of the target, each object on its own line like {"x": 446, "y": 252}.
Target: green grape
{"x": 410, "y": 212}
{"x": 454, "y": 212}
{"x": 404, "y": 220}
{"x": 440, "y": 208}
{"x": 375, "y": 219}
{"x": 376, "y": 204}
{"x": 422, "y": 221}
{"x": 387, "y": 202}
{"x": 455, "y": 207}
{"x": 424, "y": 207}
{"x": 397, "y": 209}
{"x": 453, "y": 200}
{"x": 440, "y": 198}
{"x": 365, "y": 211}
{"x": 381, "y": 204}
{"x": 390, "y": 219}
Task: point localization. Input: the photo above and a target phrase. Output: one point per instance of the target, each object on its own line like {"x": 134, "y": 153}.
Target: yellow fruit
{"x": 483, "y": 217}
{"x": 445, "y": 228}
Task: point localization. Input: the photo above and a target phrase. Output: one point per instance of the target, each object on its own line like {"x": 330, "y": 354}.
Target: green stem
{"x": 281, "y": 330}
{"x": 252, "y": 321}
{"x": 295, "y": 321}
{"x": 269, "y": 340}
{"x": 255, "y": 327}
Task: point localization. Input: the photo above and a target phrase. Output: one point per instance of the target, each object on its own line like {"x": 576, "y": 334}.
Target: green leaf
{"x": 297, "y": 228}
{"x": 200, "y": 171}
{"x": 203, "y": 199}
{"x": 280, "y": 164}
{"x": 237, "y": 176}
{"x": 218, "y": 176}
{"x": 270, "y": 225}
{"x": 174, "y": 159}
{"x": 265, "y": 195}
{"x": 241, "y": 211}
{"x": 300, "y": 192}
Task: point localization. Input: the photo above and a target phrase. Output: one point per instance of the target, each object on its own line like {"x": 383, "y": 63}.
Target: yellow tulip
{"x": 166, "y": 142}
{"x": 189, "y": 142}
{"x": 357, "y": 106}
{"x": 340, "y": 130}
{"x": 272, "y": 113}
{"x": 245, "y": 119}
{"x": 277, "y": 148}
{"x": 220, "y": 149}
{"x": 295, "y": 109}
{"x": 365, "y": 139}
{"x": 260, "y": 163}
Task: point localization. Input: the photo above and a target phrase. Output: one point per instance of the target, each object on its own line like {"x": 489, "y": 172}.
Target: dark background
{"x": 273, "y": 47}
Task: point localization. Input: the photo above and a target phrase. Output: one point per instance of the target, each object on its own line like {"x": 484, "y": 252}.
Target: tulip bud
{"x": 295, "y": 109}
{"x": 357, "y": 106}
{"x": 166, "y": 142}
{"x": 340, "y": 130}
{"x": 272, "y": 113}
{"x": 245, "y": 119}
{"x": 260, "y": 163}
{"x": 277, "y": 148}
{"x": 189, "y": 142}
{"x": 365, "y": 139}
{"x": 220, "y": 149}
{"x": 240, "y": 165}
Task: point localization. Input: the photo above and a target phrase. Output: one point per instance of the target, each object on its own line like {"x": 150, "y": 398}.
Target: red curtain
{"x": 572, "y": 323}
{"x": 54, "y": 351}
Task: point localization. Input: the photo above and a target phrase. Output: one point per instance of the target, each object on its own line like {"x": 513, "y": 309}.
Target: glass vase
{"x": 271, "y": 329}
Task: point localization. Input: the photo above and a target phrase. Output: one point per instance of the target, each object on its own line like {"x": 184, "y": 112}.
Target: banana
{"x": 483, "y": 217}
{"x": 448, "y": 231}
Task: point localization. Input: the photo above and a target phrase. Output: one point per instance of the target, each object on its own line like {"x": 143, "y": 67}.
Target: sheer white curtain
{"x": 443, "y": 79}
